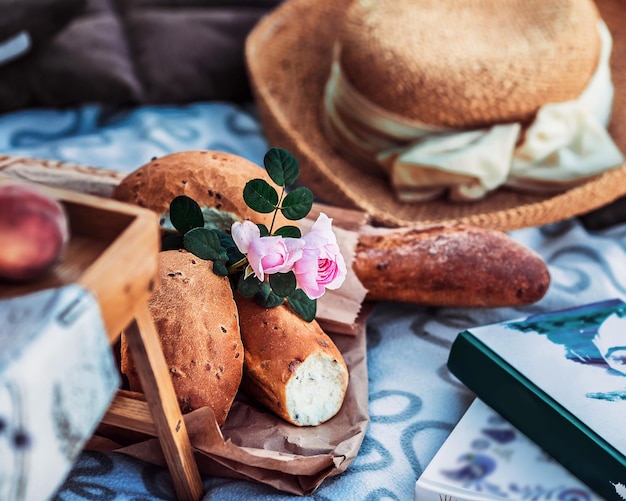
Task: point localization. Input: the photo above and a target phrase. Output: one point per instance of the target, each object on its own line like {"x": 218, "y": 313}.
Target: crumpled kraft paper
{"x": 255, "y": 444}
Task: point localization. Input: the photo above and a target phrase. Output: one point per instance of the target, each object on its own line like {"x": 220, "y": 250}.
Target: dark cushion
{"x": 129, "y": 52}
{"x": 42, "y": 19}
{"x": 190, "y": 54}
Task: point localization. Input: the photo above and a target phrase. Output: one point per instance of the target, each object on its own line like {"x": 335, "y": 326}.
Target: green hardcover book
{"x": 560, "y": 378}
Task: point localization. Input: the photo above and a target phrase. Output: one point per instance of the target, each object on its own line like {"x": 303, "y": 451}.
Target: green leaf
{"x": 263, "y": 229}
{"x": 266, "y": 298}
{"x": 234, "y": 255}
{"x": 185, "y": 214}
{"x": 281, "y": 166}
{"x": 303, "y": 305}
{"x": 288, "y": 232}
{"x": 248, "y": 287}
{"x": 283, "y": 284}
{"x": 215, "y": 219}
{"x": 205, "y": 244}
{"x": 230, "y": 247}
{"x": 297, "y": 204}
{"x": 219, "y": 268}
{"x": 260, "y": 196}
{"x": 172, "y": 241}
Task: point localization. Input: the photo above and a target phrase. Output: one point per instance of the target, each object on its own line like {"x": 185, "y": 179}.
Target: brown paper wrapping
{"x": 256, "y": 445}
{"x": 253, "y": 443}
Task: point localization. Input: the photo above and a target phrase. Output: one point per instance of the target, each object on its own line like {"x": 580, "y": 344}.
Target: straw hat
{"x": 459, "y": 77}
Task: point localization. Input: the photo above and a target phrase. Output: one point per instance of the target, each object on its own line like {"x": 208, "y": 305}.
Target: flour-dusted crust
{"x": 197, "y": 321}
{"x": 291, "y": 366}
{"x": 454, "y": 265}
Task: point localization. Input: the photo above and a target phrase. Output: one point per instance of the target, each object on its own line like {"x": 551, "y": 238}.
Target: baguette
{"x": 290, "y": 366}
{"x": 456, "y": 265}
{"x": 197, "y": 321}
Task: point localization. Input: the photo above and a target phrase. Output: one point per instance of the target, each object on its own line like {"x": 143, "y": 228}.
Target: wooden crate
{"x": 113, "y": 253}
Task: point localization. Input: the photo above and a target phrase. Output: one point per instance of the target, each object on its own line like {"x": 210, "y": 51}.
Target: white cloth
{"x": 568, "y": 141}
{"x": 58, "y": 376}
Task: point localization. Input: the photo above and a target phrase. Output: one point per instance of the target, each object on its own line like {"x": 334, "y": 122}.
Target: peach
{"x": 33, "y": 232}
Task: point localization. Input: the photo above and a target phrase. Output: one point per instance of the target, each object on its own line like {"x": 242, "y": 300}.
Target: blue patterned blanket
{"x": 414, "y": 402}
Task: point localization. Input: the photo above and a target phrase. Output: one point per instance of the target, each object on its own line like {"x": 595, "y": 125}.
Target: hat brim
{"x": 288, "y": 55}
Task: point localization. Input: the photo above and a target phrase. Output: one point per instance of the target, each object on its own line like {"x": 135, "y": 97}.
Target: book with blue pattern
{"x": 560, "y": 378}
{"x": 485, "y": 458}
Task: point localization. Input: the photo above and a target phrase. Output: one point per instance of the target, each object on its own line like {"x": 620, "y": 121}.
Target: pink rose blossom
{"x": 321, "y": 266}
{"x": 266, "y": 254}
{"x": 243, "y": 233}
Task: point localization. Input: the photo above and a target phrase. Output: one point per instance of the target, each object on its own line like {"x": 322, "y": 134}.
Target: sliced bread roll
{"x": 197, "y": 321}
{"x": 291, "y": 366}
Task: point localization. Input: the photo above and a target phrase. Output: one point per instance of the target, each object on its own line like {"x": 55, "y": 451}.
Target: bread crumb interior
{"x": 316, "y": 391}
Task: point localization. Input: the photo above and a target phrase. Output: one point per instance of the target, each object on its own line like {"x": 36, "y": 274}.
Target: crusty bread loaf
{"x": 460, "y": 266}
{"x": 197, "y": 321}
{"x": 290, "y": 366}
{"x": 211, "y": 178}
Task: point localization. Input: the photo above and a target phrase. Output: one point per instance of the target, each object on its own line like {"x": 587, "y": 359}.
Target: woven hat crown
{"x": 290, "y": 57}
{"x": 469, "y": 63}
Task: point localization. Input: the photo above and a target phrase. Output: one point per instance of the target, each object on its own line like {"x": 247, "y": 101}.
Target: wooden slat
{"x": 130, "y": 414}
{"x": 126, "y": 273}
{"x": 157, "y": 387}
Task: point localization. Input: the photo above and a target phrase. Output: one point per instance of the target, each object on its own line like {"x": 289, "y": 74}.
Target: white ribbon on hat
{"x": 566, "y": 144}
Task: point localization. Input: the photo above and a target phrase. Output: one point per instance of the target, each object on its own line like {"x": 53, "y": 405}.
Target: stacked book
{"x": 550, "y": 418}
{"x": 485, "y": 457}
